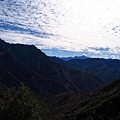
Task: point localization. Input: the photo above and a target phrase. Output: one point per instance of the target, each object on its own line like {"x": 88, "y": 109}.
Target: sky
{"x": 63, "y": 27}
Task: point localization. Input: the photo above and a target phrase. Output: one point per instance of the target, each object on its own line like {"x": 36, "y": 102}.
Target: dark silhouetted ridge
{"x": 107, "y": 69}
{"x": 27, "y": 64}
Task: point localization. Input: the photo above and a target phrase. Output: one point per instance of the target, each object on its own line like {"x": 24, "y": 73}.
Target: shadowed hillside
{"x": 101, "y": 104}
{"x": 107, "y": 69}
{"x": 26, "y": 63}
{"x": 69, "y": 91}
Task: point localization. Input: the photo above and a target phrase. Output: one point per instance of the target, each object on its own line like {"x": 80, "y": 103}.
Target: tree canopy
{"x": 22, "y": 104}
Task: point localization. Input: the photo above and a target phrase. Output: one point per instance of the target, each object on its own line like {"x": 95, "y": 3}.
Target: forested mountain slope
{"x": 27, "y": 64}
{"x": 101, "y": 104}
{"x": 107, "y": 69}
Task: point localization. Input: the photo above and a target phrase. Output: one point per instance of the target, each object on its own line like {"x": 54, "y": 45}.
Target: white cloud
{"x": 65, "y": 24}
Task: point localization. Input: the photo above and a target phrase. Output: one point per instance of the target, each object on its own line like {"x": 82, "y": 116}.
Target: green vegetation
{"x": 23, "y": 105}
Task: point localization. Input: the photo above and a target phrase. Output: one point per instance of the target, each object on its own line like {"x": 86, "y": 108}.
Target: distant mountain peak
{"x": 75, "y": 57}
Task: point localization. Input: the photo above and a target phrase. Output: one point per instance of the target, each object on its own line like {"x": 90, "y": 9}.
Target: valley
{"x": 76, "y": 89}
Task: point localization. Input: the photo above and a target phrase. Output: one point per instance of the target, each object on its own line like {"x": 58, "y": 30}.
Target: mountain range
{"x": 106, "y": 69}
{"x": 76, "y": 89}
{"x": 71, "y": 58}
{"x": 27, "y": 64}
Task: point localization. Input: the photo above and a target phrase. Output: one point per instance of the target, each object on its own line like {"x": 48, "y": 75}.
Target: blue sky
{"x": 63, "y": 27}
